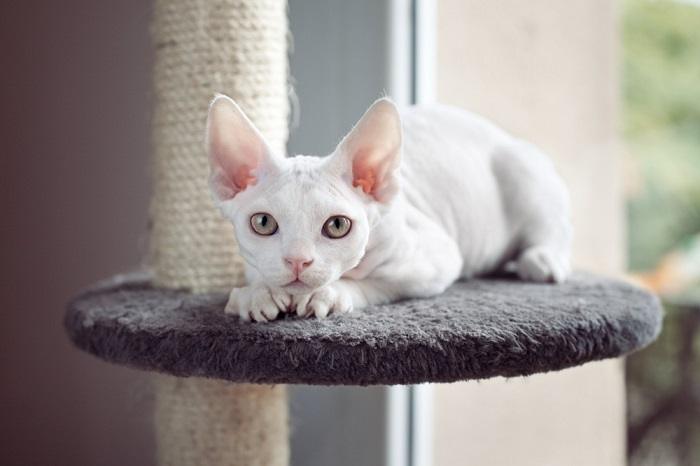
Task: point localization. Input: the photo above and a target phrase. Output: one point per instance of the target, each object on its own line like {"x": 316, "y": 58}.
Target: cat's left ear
{"x": 370, "y": 155}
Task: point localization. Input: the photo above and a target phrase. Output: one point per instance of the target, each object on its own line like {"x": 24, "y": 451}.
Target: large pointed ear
{"x": 370, "y": 155}
{"x": 238, "y": 154}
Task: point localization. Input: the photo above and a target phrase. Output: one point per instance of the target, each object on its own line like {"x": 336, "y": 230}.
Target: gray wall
{"x": 74, "y": 90}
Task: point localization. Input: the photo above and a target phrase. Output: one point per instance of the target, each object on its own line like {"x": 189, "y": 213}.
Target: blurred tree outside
{"x": 661, "y": 117}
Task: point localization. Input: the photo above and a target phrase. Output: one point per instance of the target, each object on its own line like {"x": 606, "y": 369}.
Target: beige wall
{"x": 545, "y": 70}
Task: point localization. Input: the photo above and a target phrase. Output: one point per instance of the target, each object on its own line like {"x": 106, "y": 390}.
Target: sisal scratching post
{"x": 237, "y": 47}
{"x": 211, "y": 422}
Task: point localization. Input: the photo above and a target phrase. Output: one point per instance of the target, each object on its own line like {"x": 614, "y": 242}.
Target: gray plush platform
{"x": 477, "y": 329}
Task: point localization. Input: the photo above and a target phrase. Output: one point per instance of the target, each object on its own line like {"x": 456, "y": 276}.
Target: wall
{"x": 74, "y": 127}
{"x": 545, "y": 70}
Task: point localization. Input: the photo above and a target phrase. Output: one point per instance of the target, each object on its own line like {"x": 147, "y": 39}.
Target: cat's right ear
{"x": 238, "y": 154}
{"x": 370, "y": 155}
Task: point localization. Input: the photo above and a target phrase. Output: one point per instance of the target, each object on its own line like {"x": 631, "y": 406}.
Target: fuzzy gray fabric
{"x": 477, "y": 329}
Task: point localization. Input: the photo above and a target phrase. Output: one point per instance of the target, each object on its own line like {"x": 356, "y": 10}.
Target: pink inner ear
{"x": 367, "y": 184}
{"x": 230, "y": 177}
{"x": 367, "y": 172}
{"x": 366, "y": 181}
{"x": 234, "y": 174}
{"x": 243, "y": 178}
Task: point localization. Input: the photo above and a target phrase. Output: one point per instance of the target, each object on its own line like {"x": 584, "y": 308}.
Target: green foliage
{"x": 661, "y": 78}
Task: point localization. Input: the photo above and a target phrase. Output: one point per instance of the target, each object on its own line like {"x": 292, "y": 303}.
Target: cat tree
{"x": 218, "y": 395}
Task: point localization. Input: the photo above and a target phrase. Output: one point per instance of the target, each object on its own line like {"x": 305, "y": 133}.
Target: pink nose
{"x": 298, "y": 264}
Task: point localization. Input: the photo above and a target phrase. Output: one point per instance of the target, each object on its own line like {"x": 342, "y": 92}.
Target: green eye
{"x": 337, "y": 227}
{"x": 263, "y": 224}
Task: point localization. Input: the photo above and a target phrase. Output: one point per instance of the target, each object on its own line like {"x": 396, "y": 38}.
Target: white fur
{"x": 450, "y": 196}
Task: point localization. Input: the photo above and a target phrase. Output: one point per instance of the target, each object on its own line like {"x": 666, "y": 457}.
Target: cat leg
{"x": 545, "y": 245}
{"x": 537, "y": 209}
{"x": 343, "y": 296}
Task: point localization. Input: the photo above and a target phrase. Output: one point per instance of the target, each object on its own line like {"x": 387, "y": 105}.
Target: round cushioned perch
{"x": 476, "y": 329}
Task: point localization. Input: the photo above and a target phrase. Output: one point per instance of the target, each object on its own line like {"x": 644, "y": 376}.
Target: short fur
{"x": 434, "y": 194}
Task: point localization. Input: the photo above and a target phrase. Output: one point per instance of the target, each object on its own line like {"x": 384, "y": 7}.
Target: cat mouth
{"x": 295, "y": 283}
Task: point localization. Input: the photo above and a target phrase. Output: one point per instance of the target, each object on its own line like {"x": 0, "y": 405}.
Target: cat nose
{"x": 298, "y": 264}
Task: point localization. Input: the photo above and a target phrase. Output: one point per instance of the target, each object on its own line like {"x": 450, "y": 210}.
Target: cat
{"x": 410, "y": 201}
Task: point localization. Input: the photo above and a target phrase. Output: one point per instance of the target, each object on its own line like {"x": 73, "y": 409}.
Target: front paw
{"x": 257, "y": 303}
{"x": 323, "y": 301}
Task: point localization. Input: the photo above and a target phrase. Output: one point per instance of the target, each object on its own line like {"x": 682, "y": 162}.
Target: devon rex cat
{"x": 410, "y": 201}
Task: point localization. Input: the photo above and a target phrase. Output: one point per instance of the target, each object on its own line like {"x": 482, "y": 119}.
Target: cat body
{"x": 409, "y": 202}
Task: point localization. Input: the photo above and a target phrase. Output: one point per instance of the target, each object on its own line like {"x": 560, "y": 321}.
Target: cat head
{"x": 302, "y": 222}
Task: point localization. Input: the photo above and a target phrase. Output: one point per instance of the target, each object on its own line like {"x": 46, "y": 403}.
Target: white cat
{"x": 408, "y": 202}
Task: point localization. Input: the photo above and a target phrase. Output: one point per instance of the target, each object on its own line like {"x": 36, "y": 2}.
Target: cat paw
{"x": 541, "y": 264}
{"x": 326, "y": 300}
{"x": 257, "y": 303}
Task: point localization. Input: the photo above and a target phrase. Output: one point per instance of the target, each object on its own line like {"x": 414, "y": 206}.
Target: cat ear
{"x": 238, "y": 154}
{"x": 370, "y": 155}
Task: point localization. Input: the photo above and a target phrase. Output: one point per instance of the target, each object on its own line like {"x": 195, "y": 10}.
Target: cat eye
{"x": 337, "y": 227}
{"x": 263, "y": 224}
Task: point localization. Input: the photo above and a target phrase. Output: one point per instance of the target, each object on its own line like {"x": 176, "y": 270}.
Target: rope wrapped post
{"x": 237, "y": 47}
